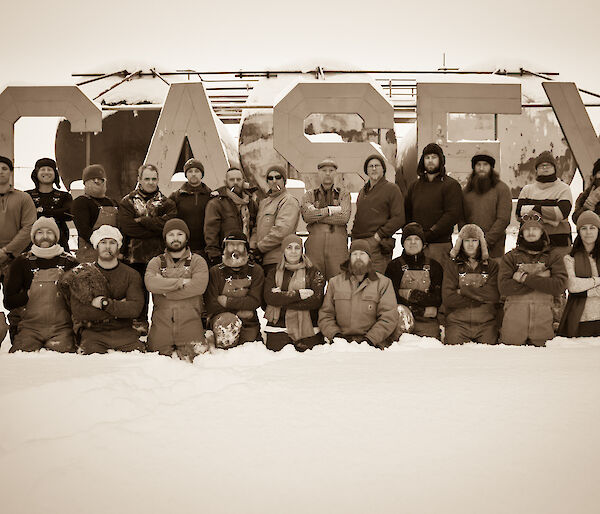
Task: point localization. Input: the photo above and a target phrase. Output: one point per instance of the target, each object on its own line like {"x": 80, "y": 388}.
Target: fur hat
{"x": 545, "y": 157}
{"x": 8, "y": 162}
{"x": 45, "y": 161}
{"x": 432, "y": 148}
{"x": 327, "y": 162}
{"x": 278, "y": 169}
{"x": 374, "y": 156}
{"x": 44, "y": 222}
{"x": 362, "y": 245}
{"x": 175, "y": 224}
{"x": 470, "y": 231}
{"x": 93, "y": 171}
{"x": 412, "y": 229}
{"x": 588, "y": 218}
{"x": 483, "y": 157}
{"x": 193, "y": 163}
{"x": 106, "y": 232}
{"x": 596, "y": 168}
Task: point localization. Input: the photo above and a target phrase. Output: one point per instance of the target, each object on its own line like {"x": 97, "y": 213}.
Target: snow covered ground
{"x": 418, "y": 428}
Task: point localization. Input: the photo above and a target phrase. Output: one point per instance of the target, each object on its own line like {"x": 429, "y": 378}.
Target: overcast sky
{"x": 44, "y": 42}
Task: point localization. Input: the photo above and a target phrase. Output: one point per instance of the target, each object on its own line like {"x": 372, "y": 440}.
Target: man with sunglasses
{"x": 277, "y": 217}
{"x": 326, "y": 211}
{"x": 91, "y": 210}
{"x": 551, "y": 198}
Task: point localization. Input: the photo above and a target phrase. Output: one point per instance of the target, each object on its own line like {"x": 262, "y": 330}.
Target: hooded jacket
{"x": 437, "y": 205}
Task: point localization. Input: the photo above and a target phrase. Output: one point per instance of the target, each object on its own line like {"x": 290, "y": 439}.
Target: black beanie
{"x": 374, "y": 156}
{"x": 237, "y": 236}
{"x": 279, "y": 169}
{"x": 45, "y": 161}
{"x": 413, "y": 229}
{"x": 7, "y": 161}
{"x": 176, "y": 224}
{"x": 483, "y": 157}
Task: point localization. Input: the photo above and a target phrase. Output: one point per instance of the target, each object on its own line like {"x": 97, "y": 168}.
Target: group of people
{"x": 212, "y": 259}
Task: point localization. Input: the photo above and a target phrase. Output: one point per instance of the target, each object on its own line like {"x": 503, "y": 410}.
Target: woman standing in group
{"x": 581, "y": 317}
{"x": 293, "y": 294}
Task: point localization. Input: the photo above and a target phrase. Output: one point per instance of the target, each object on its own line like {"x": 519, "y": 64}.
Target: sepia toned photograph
{"x": 300, "y": 258}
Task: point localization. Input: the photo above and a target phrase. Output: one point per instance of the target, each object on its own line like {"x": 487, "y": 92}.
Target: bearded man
{"x": 177, "y": 280}
{"x": 488, "y": 203}
{"x": 360, "y": 304}
{"x": 235, "y": 291}
{"x": 32, "y": 295}
{"x": 230, "y": 209}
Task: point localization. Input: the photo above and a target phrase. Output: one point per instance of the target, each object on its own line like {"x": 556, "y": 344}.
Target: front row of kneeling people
{"x": 58, "y": 304}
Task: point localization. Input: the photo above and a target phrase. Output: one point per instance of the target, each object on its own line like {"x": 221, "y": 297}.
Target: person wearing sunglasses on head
{"x": 551, "y": 198}
{"x": 91, "y": 210}
{"x": 530, "y": 276}
{"x": 278, "y": 216}
{"x": 379, "y": 213}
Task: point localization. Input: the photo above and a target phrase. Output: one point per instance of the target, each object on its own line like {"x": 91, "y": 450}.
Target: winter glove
{"x": 256, "y": 256}
{"x": 592, "y": 199}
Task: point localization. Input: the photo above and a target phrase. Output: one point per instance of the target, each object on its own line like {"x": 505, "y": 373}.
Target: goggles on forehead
{"x": 533, "y": 216}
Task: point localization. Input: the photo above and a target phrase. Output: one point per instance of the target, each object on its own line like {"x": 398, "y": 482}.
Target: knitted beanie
{"x": 106, "y": 232}
{"x": 327, "y": 162}
{"x": 588, "y": 218}
{"x": 362, "y": 245}
{"x": 545, "y": 157}
{"x": 175, "y": 224}
{"x": 193, "y": 163}
{"x": 44, "y": 222}
{"x": 374, "y": 156}
{"x": 470, "y": 231}
{"x": 413, "y": 229}
{"x": 7, "y": 161}
{"x": 278, "y": 169}
{"x": 483, "y": 157}
{"x": 292, "y": 238}
{"x": 93, "y": 171}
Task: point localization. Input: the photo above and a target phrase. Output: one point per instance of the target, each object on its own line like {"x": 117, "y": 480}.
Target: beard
{"x": 359, "y": 267}
{"x": 235, "y": 258}
{"x": 40, "y": 242}
{"x": 95, "y": 190}
{"x": 176, "y": 246}
{"x": 236, "y": 190}
{"x": 481, "y": 183}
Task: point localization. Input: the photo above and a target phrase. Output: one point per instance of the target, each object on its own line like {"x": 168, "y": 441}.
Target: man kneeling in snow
{"x": 177, "y": 280}
{"x": 32, "y": 294}
{"x": 234, "y": 293}
{"x": 105, "y": 297}
{"x": 360, "y": 304}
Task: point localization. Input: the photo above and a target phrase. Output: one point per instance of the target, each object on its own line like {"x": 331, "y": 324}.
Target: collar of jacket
{"x": 367, "y": 187}
{"x": 157, "y": 195}
{"x": 202, "y": 188}
{"x": 333, "y": 188}
{"x": 186, "y": 255}
{"x": 417, "y": 259}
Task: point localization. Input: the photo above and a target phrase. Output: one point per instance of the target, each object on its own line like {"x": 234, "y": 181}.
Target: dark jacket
{"x": 123, "y": 287}
{"x": 143, "y": 239}
{"x": 221, "y": 217}
{"x": 243, "y": 288}
{"x": 85, "y": 211}
{"x": 470, "y": 296}
{"x": 437, "y": 205}
{"x": 579, "y": 203}
{"x": 57, "y": 205}
{"x": 191, "y": 205}
{"x": 417, "y": 300}
{"x": 379, "y": 209}
{"x": 20, "y": 275}
{"x": 291, "y": 299}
